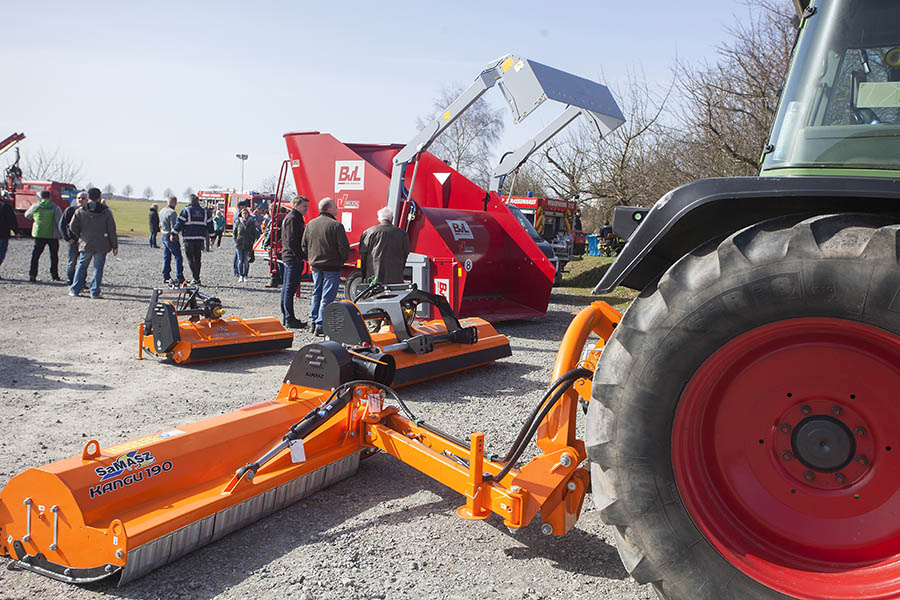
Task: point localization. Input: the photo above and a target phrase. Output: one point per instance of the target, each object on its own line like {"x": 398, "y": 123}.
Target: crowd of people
{"x": 88, "y": 229}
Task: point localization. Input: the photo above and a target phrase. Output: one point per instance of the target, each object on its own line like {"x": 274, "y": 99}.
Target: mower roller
{"x": 204, "y": 334}
{"x": 126, "y": 509}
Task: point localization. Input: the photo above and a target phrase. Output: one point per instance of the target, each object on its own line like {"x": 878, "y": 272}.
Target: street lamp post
{"x": 242, "y": 158}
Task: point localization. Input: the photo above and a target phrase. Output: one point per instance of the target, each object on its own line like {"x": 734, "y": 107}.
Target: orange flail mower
{"x": 126, "y": 509}
{"x": 204, "y": 334}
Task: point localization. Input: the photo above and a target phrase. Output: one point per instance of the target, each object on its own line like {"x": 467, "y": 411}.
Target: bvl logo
{"x": 460, "y": 229}
{"x": 349, "y": 175}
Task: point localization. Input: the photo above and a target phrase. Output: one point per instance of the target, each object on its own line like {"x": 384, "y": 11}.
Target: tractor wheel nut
{"x": 805, "y": 409}
{"x": 809, "y": 476}
{"x": 786, "y": 455}
{"x": 839, "y": 478}
{"x": 862, "y": 460}
{"x": 785, "y": 428}
{"x": 546, "y": 528}
{"x": 860, "y": 432}
{"x": 837, "y": 411}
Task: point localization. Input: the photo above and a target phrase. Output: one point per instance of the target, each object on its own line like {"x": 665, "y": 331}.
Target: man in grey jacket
{"x": 95, "y": 228}
{"x": 168, "y": 217}
{"x": 326, "y": 247}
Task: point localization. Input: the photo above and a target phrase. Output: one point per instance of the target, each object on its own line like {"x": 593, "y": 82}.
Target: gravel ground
{"x": 68, "y": 373}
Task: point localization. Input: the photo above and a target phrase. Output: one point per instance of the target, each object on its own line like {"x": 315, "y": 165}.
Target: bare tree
{"x": 269, "y": 185}
{"x": 50, "y": 166}
{"x": 148, "y": 192}
{"x": 168, "y": 192}
{"x": 729, "y": 104}
{"x": 188, "y": 191}
{"x": 527, "y": 179}
{"x": 109, "y": 190}
{"x": 467, "y": 144}
{"x": 126, "y": 191}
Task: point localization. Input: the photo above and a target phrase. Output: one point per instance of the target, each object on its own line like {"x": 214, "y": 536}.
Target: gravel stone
{"x": 68, "y": 373}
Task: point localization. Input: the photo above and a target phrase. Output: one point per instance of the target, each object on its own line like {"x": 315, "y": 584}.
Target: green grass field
{"x": 132, "y": 216}
{"x": 581, "y": 277}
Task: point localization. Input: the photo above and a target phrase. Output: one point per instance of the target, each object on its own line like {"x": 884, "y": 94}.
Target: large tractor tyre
{"x": 744, "y": 434}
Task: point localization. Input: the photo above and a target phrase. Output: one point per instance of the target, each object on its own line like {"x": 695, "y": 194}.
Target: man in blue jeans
{"x": 168, "y": 217}
{"x": 94, "y": 227}
{"x": 326, "y": 247}
{"x": 291, "y": 234}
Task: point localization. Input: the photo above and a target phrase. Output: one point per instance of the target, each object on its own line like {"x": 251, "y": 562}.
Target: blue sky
{"x": 165, "y": 93}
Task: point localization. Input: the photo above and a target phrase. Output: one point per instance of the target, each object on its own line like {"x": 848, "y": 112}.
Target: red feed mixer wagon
{"x": 465, "y": 243}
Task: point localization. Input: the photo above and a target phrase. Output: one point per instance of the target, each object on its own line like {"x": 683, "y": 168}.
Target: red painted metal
{"x": 809, "y": 534}
{"x": 26, "y": 194}
{"x": 480, "y": 257}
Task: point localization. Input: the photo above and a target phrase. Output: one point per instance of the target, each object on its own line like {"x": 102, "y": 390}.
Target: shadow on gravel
{"x": 577, "y": 552}
{"x": 19, "y": 372}
{"x": 513, "y": 376}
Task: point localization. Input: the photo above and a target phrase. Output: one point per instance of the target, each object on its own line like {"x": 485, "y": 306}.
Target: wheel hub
{"x": 823, "y": 443}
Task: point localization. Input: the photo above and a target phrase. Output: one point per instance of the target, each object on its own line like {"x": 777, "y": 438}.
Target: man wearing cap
{"x": 383, "y": 249}
{"x": 70, "y": 238}
{"x": 45, "y": 231}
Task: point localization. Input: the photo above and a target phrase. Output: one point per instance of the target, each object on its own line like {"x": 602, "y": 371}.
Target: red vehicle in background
{"x": 558, "y": 222}
{"x": 22, "y": 194}
{"x": 230, "y": 202}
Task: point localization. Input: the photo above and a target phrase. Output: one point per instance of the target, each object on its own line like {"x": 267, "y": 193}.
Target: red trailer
{"x": 26, "y": 194}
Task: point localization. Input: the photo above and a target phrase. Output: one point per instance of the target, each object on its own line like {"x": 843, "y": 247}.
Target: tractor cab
{"x": 839, "y": 113}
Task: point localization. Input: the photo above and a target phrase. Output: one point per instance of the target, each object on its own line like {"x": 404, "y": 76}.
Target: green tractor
{"x": 744, "y": 433}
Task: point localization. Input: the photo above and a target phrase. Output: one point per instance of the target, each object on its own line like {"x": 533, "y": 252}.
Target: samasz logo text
{"x": 129, "y": 461}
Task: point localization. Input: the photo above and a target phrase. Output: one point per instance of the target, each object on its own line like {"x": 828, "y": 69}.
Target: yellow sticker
{"x": 507, "y": 64}
{"x": 132, "y": 445}
{"x": 446, "y": 115}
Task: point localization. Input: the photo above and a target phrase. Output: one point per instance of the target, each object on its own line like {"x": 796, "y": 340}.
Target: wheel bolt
{"x": 805, "y": 409}
{"x": 809, "y": 476}
{"x": 785, "y": 428}
{"x": 839, "y": 478}
{"x": 836, "y": 411}
{"x": 786, "y": 456}
{"x": 862, "y": 460}
{"x": 861, "y": 432}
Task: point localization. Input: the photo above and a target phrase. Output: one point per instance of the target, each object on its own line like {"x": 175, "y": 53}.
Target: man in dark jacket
{"x": 7, "y": 226}
{"x": 383, "y": 249}
{"x": 154, "y": 225}
{"x": 70, "y": 238}
{"x": 292, "y": 256}
{"x": 95, "y": 228}
{"x": 196, "y": 226}
{"x": 326, "y": 248}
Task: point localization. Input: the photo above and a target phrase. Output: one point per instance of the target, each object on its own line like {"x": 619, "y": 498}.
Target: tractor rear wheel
{"x": 744, "y": 434}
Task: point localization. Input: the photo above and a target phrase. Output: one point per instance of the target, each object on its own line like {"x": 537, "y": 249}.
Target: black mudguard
{"x": 707, "y": 209}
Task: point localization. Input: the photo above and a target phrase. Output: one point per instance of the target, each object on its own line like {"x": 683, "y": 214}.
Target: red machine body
{"x": 26, "y": 194}
{"x": 465, "y": 243}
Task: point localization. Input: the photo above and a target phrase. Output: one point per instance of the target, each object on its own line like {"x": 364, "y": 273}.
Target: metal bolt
{"x": 837, "y": 411}
{"x": 359, "y": 392}
{"x": 546, "y": 528}
{"x": 514, "y": 488}
{"x": 861, "y": 432}
{"x": 571, "y": 486}
{"x": 52, "y": 546}
{"x": 809, "y": 476}
{"x": 786, "y": 455}
{"x": 862, "y": 460}
{"x": 785, "y": 428}
{"x": 839, "y": 478}
{"x": 565, "y": 460}
{"x": 108, "y": 568}
{"x": 120, "y": 553}
{"x": 68, "y": 571}
{"x": 805, "y": 409}
{"x": 353, "y": 434}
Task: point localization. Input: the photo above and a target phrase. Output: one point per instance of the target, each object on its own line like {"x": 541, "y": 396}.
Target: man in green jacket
{"x": 326, "y": 248}
{"x": 95, "y": 228}
{"x": 45, "y": 231}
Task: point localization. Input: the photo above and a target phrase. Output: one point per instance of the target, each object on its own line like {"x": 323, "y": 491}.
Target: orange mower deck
{"x": 204, "y": 334}
{"x": 129, "y": 508}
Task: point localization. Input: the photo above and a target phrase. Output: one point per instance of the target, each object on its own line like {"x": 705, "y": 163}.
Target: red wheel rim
{"x": 786, "y": 453}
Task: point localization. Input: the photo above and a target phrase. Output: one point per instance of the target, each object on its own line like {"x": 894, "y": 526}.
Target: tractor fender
{"x": 706, "y": 209}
